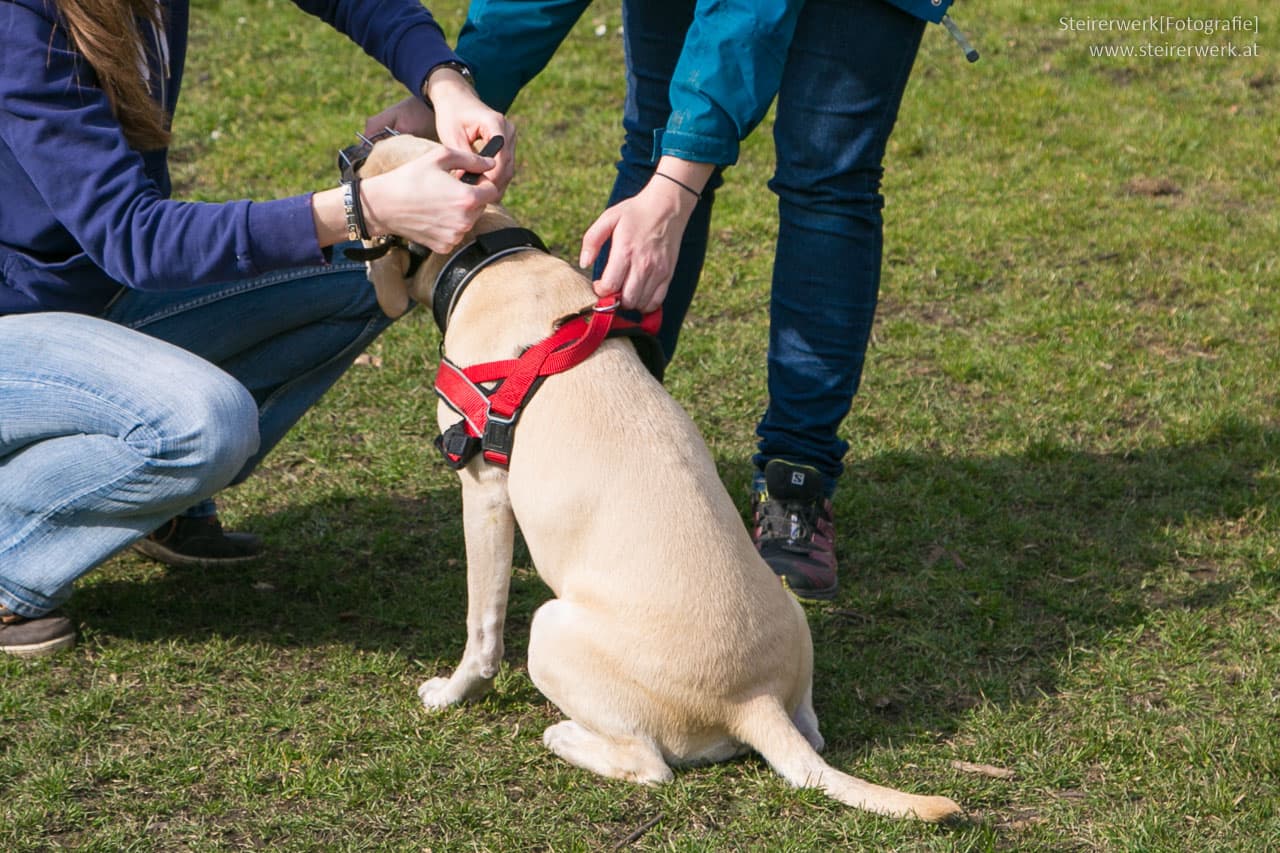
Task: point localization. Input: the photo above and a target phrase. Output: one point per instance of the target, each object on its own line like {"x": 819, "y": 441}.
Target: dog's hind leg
{"x": 490, "y": 530}
{"x": 570, "y": 668}
{"x": 634, "y": 759}
{"x": 806, "y": 720}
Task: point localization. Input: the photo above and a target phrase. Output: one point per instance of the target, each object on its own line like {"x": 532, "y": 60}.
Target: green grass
{"x": 1059, "y": 522}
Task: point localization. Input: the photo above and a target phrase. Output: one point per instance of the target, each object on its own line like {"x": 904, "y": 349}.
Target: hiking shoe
{"x": 34, "y": 636}
{"x": 794, "y": 531}
{"x": 185, "y": 542}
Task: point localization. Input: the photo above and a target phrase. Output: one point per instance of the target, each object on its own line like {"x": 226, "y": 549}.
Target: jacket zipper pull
{"x": 969, "y": 53}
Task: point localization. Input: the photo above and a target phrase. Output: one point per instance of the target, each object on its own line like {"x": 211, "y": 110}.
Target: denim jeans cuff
{"x": 26, "y": 603}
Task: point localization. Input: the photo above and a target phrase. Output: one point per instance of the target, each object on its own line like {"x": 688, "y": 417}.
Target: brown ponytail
{"x": 106, "y": 33}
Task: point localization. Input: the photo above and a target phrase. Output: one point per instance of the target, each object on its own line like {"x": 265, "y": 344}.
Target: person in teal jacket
{"x": 700, "y": 76}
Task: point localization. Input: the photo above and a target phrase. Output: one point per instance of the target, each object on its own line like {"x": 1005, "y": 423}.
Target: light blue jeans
{"x": 111, "y": 425}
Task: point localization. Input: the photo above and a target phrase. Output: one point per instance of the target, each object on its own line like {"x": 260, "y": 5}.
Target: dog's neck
{"x": 516, "y": 302}
{"x": 463, "y": 267}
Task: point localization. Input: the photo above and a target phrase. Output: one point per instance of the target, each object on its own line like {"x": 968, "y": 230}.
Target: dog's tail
{"x": 764, "y": 725}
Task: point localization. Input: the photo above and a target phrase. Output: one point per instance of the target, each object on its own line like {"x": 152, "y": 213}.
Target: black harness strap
{"x": 417, "y": 253}
{"x": 464, "y": 265}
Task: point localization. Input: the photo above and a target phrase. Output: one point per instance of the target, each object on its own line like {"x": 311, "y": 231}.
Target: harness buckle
{"x": 457, "y": 446}
{"x": 499, "y": 437}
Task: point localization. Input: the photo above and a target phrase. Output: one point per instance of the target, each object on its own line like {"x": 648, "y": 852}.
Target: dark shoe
{"x": 199, "y": 543}
{"x": 794, "y": 531}
{"x": 36, "y": 636}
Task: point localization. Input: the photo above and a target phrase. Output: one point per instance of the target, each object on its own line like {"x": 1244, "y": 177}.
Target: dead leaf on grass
{"x": 988, "y": 770}
{"x": 1152, "y": 187}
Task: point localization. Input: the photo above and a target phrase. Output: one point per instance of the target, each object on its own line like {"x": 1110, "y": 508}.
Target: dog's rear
{"x": 669, "y": 640}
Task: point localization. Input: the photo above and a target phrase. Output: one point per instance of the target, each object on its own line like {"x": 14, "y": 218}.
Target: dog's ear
{"x": 387, "y": 274}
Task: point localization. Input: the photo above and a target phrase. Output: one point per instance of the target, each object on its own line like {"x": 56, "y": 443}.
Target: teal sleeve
{"x": 728, "y": 74}
{"x": 931, "y": 10}
{"x": 507, "y": 42}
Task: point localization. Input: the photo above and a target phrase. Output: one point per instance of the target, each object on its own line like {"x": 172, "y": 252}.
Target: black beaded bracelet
{"x": 680, "y": 184}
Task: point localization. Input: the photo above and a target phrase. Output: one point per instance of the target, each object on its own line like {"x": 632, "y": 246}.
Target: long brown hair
{"x": 106, "y": 33}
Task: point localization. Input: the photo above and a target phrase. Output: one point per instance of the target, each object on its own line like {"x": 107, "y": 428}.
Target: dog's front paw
{"x": 443, "y": 692}
{"x": 436, "y": 693}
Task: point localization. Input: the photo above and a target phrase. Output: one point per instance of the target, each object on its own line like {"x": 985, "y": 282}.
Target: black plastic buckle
{"x": 457, "y": 446}
{"x": 499, "y": 435}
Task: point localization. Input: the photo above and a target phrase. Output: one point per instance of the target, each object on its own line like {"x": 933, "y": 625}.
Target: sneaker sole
{"x": 811, "y": 595}
{"x": 161, "y": 554}
{"x": 39, "y": 650}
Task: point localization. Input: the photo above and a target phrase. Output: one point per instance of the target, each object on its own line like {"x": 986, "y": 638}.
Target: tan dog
{"x": 669, "y": 641}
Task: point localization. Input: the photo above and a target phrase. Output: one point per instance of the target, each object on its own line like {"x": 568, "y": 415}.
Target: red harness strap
{"x": 489, "y": 416}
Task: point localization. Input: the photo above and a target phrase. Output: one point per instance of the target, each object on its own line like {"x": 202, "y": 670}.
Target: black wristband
{"x": 680, "y": 184}
{"x": 450, "y": 63}
{"x": 357, "y": 209}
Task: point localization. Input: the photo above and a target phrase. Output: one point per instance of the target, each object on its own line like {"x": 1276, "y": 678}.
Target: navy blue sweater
{"x": 82, "y": 214}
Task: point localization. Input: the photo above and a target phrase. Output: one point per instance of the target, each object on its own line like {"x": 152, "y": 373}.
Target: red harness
{"x": 489, "y": 416}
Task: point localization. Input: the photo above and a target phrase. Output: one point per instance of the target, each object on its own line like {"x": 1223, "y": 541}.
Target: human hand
{"x": 465, "y": 122}
{"x": 424, "y": 202}
{"x": 410, "y": 116}
{"x": 646, "y": 231}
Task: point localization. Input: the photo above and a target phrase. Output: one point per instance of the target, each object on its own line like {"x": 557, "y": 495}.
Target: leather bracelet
{"x": 356, "y": 228}
{"x": 358, "y": 206}
{"x": 680, "y": 184}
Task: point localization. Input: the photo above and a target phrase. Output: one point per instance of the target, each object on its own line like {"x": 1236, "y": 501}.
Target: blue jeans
{"x": 111, "y": 425}
{"x": 843, "y": 82}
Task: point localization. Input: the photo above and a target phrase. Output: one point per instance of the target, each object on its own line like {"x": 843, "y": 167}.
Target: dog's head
{"x": 389, "y": 273}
